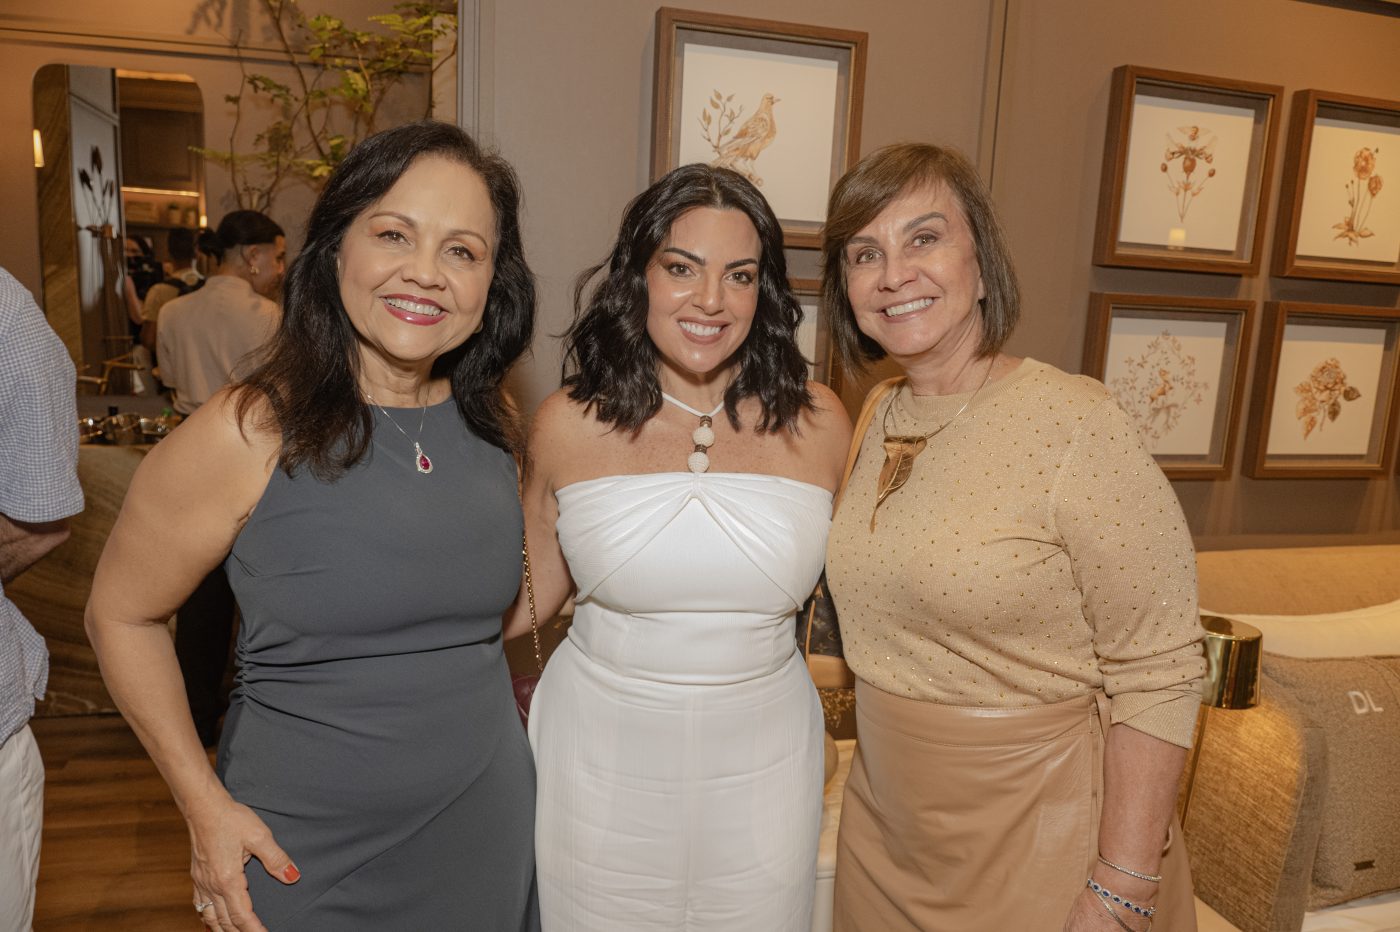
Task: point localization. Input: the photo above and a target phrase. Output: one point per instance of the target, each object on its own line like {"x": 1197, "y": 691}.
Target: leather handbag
{"x": 818, "y": 628}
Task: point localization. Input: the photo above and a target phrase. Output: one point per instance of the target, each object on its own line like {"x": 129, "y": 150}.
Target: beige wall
{"x": 569, "y": 104}
{"x": 1049, "y": 143}
{"x": 565, "y": 92}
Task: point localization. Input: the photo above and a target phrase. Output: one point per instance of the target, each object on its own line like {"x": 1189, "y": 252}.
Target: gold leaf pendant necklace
{"x": 901, "y": 449}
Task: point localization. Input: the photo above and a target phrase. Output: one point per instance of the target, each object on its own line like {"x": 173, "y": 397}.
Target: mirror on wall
{"x": 116, "y": 174}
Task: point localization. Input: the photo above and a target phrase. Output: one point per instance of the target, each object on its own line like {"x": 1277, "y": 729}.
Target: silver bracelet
{"x": 1131, "y": 873}
{"x": 1106, "y": 894}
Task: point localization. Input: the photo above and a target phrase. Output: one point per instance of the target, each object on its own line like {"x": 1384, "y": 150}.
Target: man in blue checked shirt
{"x": 38, "y": 493}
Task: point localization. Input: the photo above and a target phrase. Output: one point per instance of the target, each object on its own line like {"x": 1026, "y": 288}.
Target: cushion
{"x": 1257, "y": 811}
{"x": 1356, "y": 703}
{"x": 1360, "y": 632}
{"x": 1299, "y": 579}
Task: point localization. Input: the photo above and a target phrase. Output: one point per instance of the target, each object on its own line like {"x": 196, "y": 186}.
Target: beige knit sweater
{"x": 1036, "y": 553}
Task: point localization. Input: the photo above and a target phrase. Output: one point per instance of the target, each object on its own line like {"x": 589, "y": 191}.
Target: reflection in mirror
{"x": 116, "y": 175}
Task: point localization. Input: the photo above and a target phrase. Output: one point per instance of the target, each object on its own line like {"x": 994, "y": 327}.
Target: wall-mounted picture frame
{"x": 1338, "y": 219}
{"x": 1176, "y": 366}
{"x": 777, "y": 102}
{"x": 1325, "y": 392}
{"x": 813, "y": 338}
{"x": 1186, "y": 168}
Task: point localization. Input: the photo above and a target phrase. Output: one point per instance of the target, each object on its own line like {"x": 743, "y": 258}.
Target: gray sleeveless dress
{"x": 373, "y": 726}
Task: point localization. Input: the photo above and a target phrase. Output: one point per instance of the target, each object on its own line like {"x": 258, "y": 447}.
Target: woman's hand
{"x": 223, "y": 836}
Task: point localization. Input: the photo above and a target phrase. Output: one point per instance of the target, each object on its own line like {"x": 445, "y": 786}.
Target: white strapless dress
{"x": 677, "y": 735}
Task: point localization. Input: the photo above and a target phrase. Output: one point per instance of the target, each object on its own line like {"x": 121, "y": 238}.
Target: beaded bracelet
{"x": 1145, "y": 911}
{"x": 1150, "y": 878}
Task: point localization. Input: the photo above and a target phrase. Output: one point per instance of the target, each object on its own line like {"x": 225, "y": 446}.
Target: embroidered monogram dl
{"x": 1362, "y": 703}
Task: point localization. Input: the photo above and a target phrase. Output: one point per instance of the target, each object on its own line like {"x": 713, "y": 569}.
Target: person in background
{"x": 142, "y": 271}
{"x": 183, "y": 278}
{"x": 204, "y": 340}
{"x": 39, "y": 491}
{"x": 1017, "y": 593}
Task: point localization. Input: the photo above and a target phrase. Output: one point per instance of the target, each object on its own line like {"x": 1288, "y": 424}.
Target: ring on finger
{"x": 201, "y": 907}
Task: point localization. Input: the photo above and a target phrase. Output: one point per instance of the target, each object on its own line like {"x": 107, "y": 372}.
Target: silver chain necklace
{"x": 420, "y": 458}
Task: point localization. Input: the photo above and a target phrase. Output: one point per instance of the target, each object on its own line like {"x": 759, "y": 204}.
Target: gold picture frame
{"x": 1186, "y": 168}
{"x": 1176, "y": 366}
{"x": 1325, "y": 400}
{"x": 813, "y": 337}
{"x": 765, "y": 98}
{"x": 1337, "y": 219}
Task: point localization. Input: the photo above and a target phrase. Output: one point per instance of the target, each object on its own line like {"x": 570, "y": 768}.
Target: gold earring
{"x": 253, "y": 271}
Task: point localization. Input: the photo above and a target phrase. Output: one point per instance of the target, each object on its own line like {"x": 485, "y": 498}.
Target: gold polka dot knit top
{"x": 1035, "y": 554}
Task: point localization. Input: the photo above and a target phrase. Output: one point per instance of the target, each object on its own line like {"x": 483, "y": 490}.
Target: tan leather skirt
{"x": 968, "y": 819}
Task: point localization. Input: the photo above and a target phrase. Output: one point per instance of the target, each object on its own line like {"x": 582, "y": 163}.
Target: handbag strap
{"x": 530, "y": 594}
{"x": 867, "y": 414}
{"x": 525, "y": 557}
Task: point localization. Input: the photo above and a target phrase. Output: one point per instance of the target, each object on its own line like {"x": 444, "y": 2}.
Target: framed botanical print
{"x": 1337, "y": 218}
{"x": 1324, "y": 402}
{"x": 1176, "y": 366}
{"x": 812, "y": 336}
{"x": 780, "y": 103}
{"x": 1186, "y": 168}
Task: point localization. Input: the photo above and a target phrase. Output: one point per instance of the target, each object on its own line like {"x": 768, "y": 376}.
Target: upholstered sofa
{"x": 1272, "y": 811}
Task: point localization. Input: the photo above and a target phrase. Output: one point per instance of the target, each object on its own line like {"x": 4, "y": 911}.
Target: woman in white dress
{"x": 682, "y": 479}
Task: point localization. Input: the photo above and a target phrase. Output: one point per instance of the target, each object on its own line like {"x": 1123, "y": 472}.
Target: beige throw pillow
{"x": 1356, "y": 702}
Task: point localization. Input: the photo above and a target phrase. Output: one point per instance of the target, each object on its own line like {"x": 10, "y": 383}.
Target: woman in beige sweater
{"x": 1016, "y": 586}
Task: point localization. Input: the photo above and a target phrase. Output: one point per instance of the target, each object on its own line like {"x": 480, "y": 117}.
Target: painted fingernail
{"x": 291, "y": 874}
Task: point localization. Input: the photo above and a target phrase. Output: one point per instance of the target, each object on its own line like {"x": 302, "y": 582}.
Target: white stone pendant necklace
{"x": 420, "y": 459}
{"x": 704, "y": 435}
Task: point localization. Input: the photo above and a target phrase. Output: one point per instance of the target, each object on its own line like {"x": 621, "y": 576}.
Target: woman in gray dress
{"x": 360, "y": 490}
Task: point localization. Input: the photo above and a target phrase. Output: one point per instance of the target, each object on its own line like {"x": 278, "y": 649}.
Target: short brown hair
{"x": 869, "y": 188}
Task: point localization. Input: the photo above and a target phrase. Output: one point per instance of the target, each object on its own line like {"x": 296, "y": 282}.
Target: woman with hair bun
{"x": 360, "y": 490}
{"x": 201, "y": 338}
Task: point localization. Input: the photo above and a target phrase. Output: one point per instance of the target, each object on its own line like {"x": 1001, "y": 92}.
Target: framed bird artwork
{"x": 780, "y": 103}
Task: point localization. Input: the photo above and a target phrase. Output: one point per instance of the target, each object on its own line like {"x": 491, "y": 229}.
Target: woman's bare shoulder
{"x": 561, "y": 418}
{"x": 217, "y": 459}
{"x": 827, "y": 419}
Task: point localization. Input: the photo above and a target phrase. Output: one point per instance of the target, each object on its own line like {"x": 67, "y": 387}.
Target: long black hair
{"x": 610, "y": 362}
{"x": 311, "y": 376}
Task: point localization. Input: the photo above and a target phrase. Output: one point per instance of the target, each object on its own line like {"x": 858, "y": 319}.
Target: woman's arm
{"x": 1141, "y": 778}
{"x": 550, "y": 438}
{"x": 1135, "y": 568}
{"x": 187, "y": 503}
{"x": 829, "y": 428}
{"x": 133, "y": 303}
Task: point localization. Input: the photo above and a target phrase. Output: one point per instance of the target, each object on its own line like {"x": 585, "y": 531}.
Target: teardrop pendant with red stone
{"x": 425, "y": 465}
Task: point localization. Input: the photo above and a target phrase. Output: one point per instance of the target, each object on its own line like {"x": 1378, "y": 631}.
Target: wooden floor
{"x": 115, "y": 851}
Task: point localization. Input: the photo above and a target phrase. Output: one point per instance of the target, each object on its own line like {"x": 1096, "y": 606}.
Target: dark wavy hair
{"x": 867, "y": 189}
{"x": 610, "y": 362}
{"x": 239, "y": 228}
{"x": 312, "y": 370}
